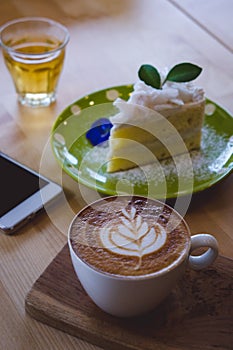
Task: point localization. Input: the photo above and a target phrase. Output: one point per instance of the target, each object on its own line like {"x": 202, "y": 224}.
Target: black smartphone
{"x": 23, "y": 193}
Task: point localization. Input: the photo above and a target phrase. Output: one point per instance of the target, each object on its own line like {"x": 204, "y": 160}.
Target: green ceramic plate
{"x": 184, "y": 175}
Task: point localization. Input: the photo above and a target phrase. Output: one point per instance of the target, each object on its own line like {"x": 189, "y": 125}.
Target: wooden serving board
{"x": 198, "y": 314}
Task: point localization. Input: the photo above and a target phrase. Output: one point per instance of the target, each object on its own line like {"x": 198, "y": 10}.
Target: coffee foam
{"x": 133, "y": 236}
{"x": 129, "y": 236}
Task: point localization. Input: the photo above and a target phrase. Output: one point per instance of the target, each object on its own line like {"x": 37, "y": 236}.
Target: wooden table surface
{"x": 109, "y": 41}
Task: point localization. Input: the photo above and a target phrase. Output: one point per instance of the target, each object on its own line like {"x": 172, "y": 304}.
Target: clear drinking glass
{"x": 34, "y": 51}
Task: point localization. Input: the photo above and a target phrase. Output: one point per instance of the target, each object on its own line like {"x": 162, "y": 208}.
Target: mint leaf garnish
{"x": 183, "y": 72}
{"x": 150, "y": 76}
{"x": 180, "y": 73}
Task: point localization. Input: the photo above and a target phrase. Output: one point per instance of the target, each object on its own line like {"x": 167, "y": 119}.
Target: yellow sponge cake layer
{"x": 140, "y": 135}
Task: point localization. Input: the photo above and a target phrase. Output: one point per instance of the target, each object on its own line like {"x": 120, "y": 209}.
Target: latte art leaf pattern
{"x": 133, "y": 236}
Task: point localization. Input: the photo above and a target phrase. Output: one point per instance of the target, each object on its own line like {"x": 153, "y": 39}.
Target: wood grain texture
{"x": 212, "y": 15}
{"x": 198, "y": 314}
{"x": 108, "y": 43}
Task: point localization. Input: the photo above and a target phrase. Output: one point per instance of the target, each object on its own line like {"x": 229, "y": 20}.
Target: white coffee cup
{"x": 127, "y": 296}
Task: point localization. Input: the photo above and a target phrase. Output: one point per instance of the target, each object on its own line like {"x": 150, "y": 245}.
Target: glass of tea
{"x": 34, "y": 51}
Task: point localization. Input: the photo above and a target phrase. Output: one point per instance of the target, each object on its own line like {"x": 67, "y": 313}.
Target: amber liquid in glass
{"x": 35, "y": 66}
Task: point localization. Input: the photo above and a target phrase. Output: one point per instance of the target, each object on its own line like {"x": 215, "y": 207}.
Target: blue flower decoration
{"x": 99, "y": 132}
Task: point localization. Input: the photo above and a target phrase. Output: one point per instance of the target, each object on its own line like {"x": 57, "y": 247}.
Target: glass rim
{"x": 34, "y": 19}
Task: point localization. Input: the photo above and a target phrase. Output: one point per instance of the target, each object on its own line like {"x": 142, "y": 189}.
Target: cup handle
{"x": 199, "y": 262}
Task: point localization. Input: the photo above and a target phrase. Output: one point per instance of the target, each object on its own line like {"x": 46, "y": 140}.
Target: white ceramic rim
{"x": 169, "y": 268}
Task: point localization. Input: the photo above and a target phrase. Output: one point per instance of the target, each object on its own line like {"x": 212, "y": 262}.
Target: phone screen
{"x": 16, "y": 185}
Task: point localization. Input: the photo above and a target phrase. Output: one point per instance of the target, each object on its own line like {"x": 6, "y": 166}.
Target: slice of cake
{"x": 155, "y": 124}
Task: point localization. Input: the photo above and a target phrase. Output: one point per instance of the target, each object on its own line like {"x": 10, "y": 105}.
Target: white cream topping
{"x": 146, "y": 103}
{"x": 133, "y": 114}
{"x": 171, "y": 93}
{"x": 133, "y": 236}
